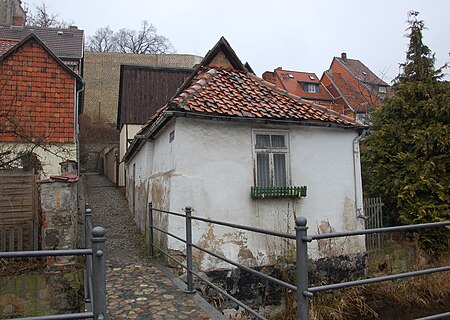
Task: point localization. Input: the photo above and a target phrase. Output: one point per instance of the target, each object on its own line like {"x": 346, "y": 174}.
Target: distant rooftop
{"x": 64, "y": 43}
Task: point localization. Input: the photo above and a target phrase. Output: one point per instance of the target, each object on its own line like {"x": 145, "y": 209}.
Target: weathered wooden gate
{"x": 19, "y": 216}
{"x": 373, "y": 208}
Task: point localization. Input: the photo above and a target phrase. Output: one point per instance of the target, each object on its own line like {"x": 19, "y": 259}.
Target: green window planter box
{"x": 278, "y": 192}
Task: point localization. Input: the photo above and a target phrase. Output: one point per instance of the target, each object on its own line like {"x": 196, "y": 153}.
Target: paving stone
{"x": 136, "y": 288}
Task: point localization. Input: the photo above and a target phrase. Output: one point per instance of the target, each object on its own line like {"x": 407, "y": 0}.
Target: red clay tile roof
{"x": 230, "y": 92}
{"x": 357, "y": 99}
{"x": 6, "y": 44}
{"x": 360, "y": 71}
{"x": 65, "y": 43}
{"x": 290, "y": 81}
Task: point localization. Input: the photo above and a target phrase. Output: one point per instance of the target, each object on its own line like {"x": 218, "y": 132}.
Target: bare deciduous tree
{"x": 102, "y": 41}
{"x": 41, "y": 17}
{"x": 146, "y": 40}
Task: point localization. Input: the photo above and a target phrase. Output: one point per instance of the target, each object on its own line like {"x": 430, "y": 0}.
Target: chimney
{"x": 344, "y": 56}
{"x": 73, "y": 27}
{"x": 68, "y": 167}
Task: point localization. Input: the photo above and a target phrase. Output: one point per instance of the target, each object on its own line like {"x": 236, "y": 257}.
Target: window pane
{"x": 279, "y": 163}
{"x": 262, "y": 170}
{"x": 278, "y": 141}
{"x": 263, "y": 141}
{"x": 311, "y": 87}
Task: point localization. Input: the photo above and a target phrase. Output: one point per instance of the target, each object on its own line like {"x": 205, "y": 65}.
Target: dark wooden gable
{"x": 143, "y": 90}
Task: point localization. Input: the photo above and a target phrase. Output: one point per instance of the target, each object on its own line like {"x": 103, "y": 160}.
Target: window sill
{"x": 278, "y": 192}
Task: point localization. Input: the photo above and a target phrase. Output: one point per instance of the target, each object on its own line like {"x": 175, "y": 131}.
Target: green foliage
{"x": 406, "y": 159}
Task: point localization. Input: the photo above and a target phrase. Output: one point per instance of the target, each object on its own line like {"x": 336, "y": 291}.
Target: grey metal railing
{"x": 94, "y": 276}
{"x": 302, "y": 289}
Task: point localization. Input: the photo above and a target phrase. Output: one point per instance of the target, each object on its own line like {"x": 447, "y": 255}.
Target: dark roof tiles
{"x": 5, "y": 45}
{"x": 64, "y": 43}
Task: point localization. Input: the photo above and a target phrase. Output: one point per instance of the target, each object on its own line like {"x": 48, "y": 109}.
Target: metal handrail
{"x": 378, "y": 230}
{"x": 95, "y": 281}
{"x": 302, "y": 240}
{"x": 83, "y": 315}
{"x": 233, "y": 225}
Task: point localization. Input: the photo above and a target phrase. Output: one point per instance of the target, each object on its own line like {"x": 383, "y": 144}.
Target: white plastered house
{"x": 226, "y": 131}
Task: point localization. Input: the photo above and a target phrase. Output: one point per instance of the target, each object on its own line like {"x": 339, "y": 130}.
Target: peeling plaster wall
{"x": 209, "y": 166}
{"x": 154, "y": 166}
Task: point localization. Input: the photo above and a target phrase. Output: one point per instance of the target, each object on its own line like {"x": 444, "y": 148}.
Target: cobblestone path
{"x": 136, "y": 288}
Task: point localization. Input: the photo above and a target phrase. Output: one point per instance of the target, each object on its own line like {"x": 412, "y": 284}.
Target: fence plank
{"x": 20, "y": 238}
{"x": 11, "y": 239}
{"x": 3, "y": 240}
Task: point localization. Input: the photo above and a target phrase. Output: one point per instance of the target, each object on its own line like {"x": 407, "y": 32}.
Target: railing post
{"x": 302, "y": 268}
{"x": 87, "y": 244}
{"x": 99, "y": 273}
{"x": 150, "y": 230}
{"x": 190, "y": 284}
{"x": 87, "y": 224}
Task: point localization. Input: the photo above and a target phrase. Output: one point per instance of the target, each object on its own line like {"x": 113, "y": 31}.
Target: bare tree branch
{"x": 103, "y": 40}
{"x": 146, "y": 40}
{"x": 42, "y": 18}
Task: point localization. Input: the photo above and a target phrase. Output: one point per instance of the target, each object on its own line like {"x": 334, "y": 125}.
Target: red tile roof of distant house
{"x": 357, "y": 99}
{"x": 360, "y": 71}
{"x": 297, "y": 82}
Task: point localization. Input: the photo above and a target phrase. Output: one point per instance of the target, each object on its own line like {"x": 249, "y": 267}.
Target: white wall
{"x": 128, "y": 131}
{"x": 209, "y": 166}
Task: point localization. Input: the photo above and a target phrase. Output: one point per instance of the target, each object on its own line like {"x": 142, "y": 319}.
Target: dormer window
{"x": 364, "y": 73}
{"x": 382, "y": 89}
{"x": 290, "y": 75}
{"x": 312, "y": 88}
{"x": 309, "y": 87}
{"x": 312, "y": 78}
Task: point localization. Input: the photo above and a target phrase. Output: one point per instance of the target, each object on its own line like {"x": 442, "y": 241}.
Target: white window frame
{"x": 311, "y": 87}
{"x": 271, "y": 152}
{"x": 382, "y": 89}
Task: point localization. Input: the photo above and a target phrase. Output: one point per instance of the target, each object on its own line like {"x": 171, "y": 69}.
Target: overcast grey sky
{"x": 294, "y": 34}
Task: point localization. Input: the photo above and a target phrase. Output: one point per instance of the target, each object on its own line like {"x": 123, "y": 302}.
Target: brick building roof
{"x": 360, "y": 71}
{"x": 356, "y": 97}
{"x": 65, "y": 43}
{"x": 295, "y": 82}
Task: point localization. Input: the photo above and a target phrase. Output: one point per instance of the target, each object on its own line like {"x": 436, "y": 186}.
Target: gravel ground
{"x": 136, "y": 288}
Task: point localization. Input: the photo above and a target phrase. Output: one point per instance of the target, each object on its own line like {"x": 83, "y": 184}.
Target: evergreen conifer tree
{"x": 406, "y": 159}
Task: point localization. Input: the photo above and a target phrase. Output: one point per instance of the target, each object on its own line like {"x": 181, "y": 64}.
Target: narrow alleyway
{"x": 136, "y": 288}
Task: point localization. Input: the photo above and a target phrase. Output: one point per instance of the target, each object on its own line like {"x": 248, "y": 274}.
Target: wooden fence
{"x": 19, "y": 216}
{"x": 373, "y": 209}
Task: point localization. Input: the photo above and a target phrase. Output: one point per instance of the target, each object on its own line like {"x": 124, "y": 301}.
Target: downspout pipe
{"x": 77, "y": 126}
{"x": 357, "y": 176}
